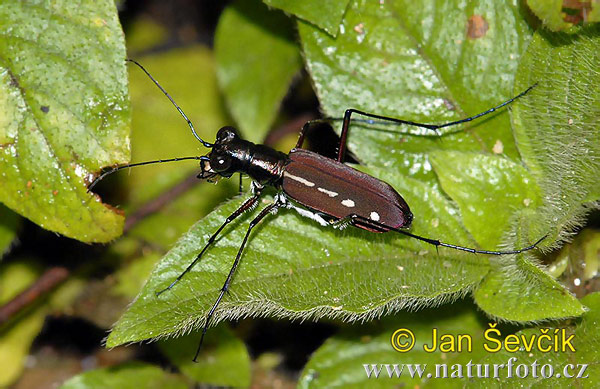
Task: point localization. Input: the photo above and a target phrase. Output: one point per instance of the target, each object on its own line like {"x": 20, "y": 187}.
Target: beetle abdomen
{"x": 338, "y": 190}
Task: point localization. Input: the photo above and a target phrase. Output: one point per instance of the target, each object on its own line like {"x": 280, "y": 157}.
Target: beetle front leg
{"x": 270, "y": 208}
{"x": 248, "y": 204}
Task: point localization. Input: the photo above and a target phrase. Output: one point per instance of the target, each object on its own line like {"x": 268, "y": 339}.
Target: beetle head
{"x": 224, "y": 158}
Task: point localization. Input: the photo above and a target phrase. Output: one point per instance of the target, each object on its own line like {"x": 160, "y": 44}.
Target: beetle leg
{"x": 268, "y": 209}
{"x": 387, "y": 119}
{"x": 438, "y": 243}
{"x": 241, "y": 186}
{"x": 248, "y": 204}
{"x": 305, "y": 128}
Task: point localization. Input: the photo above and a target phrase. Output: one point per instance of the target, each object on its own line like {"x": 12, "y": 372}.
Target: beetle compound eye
{"x": 220, "y": 163}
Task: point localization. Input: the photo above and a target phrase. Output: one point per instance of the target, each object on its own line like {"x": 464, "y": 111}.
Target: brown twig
{"x": 48, "y": 281}
{"x": 159, "y": 202}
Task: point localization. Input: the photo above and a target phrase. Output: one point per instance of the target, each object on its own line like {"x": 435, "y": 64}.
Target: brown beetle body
{"x": 335, "y": 191}
{"x": 338, "y": 191}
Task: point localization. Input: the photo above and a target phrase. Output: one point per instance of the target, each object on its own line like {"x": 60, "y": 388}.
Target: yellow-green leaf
{"x": 64, "y": 112}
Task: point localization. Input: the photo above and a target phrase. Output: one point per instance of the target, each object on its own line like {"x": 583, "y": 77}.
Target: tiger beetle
{"x": 323, "y": 189}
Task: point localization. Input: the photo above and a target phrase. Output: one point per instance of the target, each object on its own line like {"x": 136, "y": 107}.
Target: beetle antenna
{"x": 189, "y": 122}
{"x": 116, "y": 169}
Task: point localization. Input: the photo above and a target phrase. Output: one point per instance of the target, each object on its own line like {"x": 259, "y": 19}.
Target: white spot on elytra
{"x": 348, "y": 203}
{"x": 327, "y": 192}
{"x": 299, "y": 179}
{"x": 374, "y": 216}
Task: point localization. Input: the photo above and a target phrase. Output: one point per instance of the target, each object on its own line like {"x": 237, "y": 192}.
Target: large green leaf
{"x": 339, "y": 274}
{"x": 64, "y": 112}
{"x": 257, "y": 58}
{"x": 324, "y": 14}
{"x": 557, "y": 133}
{"x": 417, "y": 61}
{"x": 557, "y": 126}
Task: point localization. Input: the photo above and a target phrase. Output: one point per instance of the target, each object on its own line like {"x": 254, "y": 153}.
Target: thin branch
{"x": 159, "y": 202}
{"x": 48, "y": 281}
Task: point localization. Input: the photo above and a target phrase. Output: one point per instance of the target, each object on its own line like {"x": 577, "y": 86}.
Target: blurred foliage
{"x": 17, "y": 334}
{"x": 126, "y": 376}
{"x": 500, "y": 182}
{"x": 255, "y": 81}
{"x": 214, "y": 367}
{"x": 16, "y": 338}
{"x": 557, "y": 15}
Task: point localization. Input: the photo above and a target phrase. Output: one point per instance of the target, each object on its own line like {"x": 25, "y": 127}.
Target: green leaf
{"x": 341, "y": 361}
{"x": 486, "y": 188}
{"x": 550, "y": 13}
{"x": 64, "y": 112}
{"x": 560, "y": 145}
{"x": 585, "y": 341}
{"x": 417, "y": 61}
{"x": 556, "y": 127}
{"x": 324, "y": 14}
{"x": 224, "y": 351}
{"x": 126, "y": 376}
{"x": 257, "y": 58}
{"x": 345, "y": 274}
{"x": 520, "y": 291}
{"x": 9, "y": 223}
